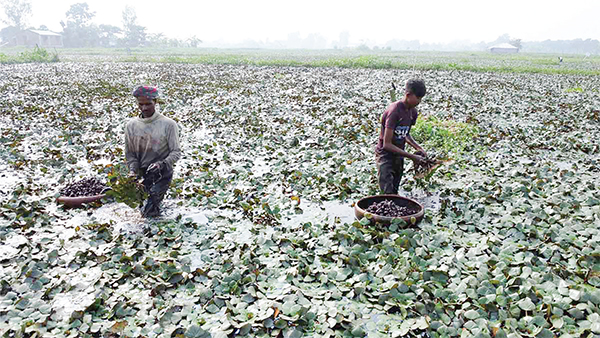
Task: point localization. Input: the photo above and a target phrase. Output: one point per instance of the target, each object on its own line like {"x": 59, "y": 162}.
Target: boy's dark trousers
{"x": 156, "y": 183}
{"x": 389, "y": 171}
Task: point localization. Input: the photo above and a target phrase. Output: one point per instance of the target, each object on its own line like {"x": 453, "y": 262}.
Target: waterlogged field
{"x": 258, "y": 237}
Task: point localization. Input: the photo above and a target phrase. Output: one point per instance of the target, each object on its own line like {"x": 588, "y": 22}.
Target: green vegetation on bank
{"x": 446, "y": 136}
{"x": 36, "y": 54}
{"x": 346, "y": 58}
{"x": 429, "y": 61}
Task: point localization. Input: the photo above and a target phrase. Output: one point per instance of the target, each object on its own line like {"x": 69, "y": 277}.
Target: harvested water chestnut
{"x": 388, "y": 208}
{"x": 85, "y": 187}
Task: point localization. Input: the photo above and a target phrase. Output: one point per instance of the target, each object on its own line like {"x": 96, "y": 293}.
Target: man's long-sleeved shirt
{"x": 149, "y": 140}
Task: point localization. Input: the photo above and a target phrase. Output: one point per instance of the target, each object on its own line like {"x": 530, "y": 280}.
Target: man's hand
{"x": 153, "y": 167}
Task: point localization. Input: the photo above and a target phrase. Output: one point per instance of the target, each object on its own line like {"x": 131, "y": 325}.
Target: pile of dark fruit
{"x": 388, "y": 208}
{"x": 85, "y": 187}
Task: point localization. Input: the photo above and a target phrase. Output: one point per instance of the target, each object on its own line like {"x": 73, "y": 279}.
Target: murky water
{"x": 260, "y": 167}
{"x": 10, "y": 247}
{"x": 123, "y": 218}
{"x": 9, "y": 181}
{"x": 564, "y": 165}
{"x": 326, "y": 212}
{"x": 429, "y": 200}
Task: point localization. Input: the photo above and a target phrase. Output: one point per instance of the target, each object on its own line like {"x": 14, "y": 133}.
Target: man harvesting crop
{"x": 151, "y": 148}
{"x": 396, "y": 122}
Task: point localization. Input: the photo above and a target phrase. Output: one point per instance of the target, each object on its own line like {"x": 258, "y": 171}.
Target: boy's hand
{"x": 421, "y": 153}
{"x": 419, "y": 159}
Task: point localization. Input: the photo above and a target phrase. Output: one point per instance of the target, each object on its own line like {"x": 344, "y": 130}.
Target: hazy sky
{"x": 376, "y": 21}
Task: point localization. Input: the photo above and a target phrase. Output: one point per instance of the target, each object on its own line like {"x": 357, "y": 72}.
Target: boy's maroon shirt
{"x": 400, "y": 119}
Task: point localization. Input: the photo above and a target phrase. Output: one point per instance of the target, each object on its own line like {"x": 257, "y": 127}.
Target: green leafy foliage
{"x": 124, "y": 188}
{"x": 37, "y": 54}
{"x": 446, "y": 136}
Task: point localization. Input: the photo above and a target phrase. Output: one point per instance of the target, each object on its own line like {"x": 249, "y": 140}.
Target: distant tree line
{"x": 577, "y": 46}
{"x": 316, "y": 41}
{"x": 78, "y": 30}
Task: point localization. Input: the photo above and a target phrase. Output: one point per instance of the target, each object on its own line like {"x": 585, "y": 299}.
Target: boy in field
{"x": 396, "y": 122}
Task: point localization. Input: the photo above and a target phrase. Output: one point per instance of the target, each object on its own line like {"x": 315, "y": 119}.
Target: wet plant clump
{"x": 125, "y": 189}
{"x": 422, "y": 169}
{"x": 388, "y": 208}
{"x": 86, "y": 187}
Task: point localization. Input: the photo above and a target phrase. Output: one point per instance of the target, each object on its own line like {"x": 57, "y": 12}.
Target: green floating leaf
{"x": 95, "y": 327}
{"x": 365, "y": 221}
{"x": 269, "y": 323}
{"x": 212, "y": 308}
{"x": 472, "y": 314}
{"x": 196, "y": 331}
{"x": 595, "y": 327}
{"x": 574, "y": 294}
{"x": 280, "y": 324}
{"x": 558, "y": 322}
{"x": 526, "y": 304}
{"x": 22, "y": 303}
{"x": 245, "y": 329}
{"x": 176, "y": 278}
{"x": 545, "y": 333}
{"x": 293, "y": 333}
{"x": 576, "y": 313}
{"x": 358, "y": 332}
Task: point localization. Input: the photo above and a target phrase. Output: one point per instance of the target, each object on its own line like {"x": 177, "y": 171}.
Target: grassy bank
{"x": 370, "y": 59}
{"x": 29, "y": 55}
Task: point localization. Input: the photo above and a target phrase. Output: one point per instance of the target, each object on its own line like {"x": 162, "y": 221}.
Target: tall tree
{"x": 78, "y": 30}
{"x": 108, "y": 35}
{"x": 129, "y": 17}
{"x": 157, "y": 40}
{"x": 16, "y": 13}
{"x": 194, "y": 41}
{"x": 135, "y": 35}
{"x": 504, "y": 38}
{"x": 79, "y": 14}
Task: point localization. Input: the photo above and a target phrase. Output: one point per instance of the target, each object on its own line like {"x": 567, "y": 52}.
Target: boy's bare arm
{"x": 415, "y": 145}
{"x": 388, "y": 134}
